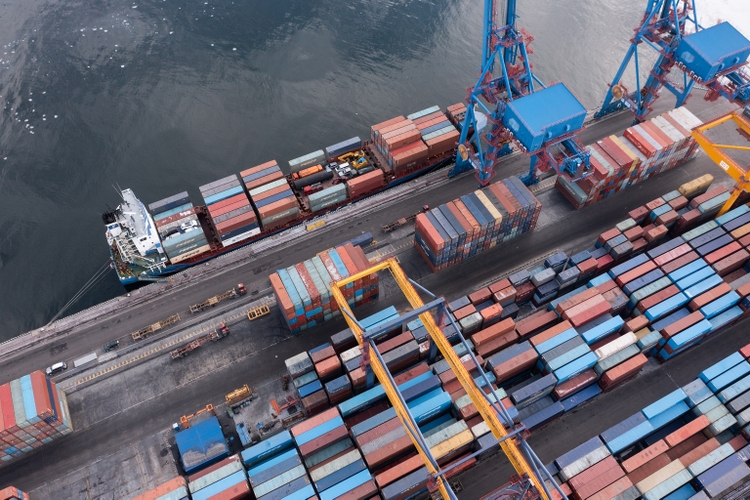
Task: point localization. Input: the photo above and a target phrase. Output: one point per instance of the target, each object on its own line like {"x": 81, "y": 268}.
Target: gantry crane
{"x": 713, "y": 57}
{"x": 716, "y": 152}
{"x": 510, "y": 437}
{"x": 514, "y": 106}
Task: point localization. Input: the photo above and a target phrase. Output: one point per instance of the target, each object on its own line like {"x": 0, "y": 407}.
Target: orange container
{"x": 687, "y": 431}
{"x": 307, "y": 172}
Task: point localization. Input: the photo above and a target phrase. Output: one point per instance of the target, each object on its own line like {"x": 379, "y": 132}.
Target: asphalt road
{"x": 563, "y": 228}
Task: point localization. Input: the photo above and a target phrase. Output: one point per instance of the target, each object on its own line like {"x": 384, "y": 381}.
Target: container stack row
{"x": 13, "y": 493}
{"x": 33, "y": 412}
{"x": 226, "y": 479}
{"x": 180, "y": 230}
{"x": 475, "y": 222}
{"x": 233, "y": 216}
{"x": 271, "y": 195}
{"x": 436, "y": 130}
{"x": 456, "y": 113}
{"x": 690, "y": 444}
{"x": 303, "y": 291}
{"x": 176, "y": 488}
{"x": 644, "y": 150}
{"x": 591, "y": 321}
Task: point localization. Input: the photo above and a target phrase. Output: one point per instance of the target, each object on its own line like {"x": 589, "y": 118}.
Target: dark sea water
{"x": 166, "y": 95}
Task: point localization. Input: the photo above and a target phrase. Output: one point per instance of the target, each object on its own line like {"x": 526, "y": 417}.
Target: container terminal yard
{"x": 132, "y": 408}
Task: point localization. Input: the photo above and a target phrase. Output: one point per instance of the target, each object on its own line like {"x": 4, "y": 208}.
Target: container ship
{"x": 169, "y": 235}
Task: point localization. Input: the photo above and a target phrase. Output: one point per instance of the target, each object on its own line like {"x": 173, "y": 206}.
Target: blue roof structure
{"x": 201, "y": 445}
{"x": 544, "y": 115}
{"x": 713, "y": 49}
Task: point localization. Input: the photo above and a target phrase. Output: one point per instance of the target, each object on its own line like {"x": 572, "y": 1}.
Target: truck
{"x": 387, "y": 228}
{"x": 211, "y": 302}
{"x": 221, "y": 331}
{"x": 144, "y": 332}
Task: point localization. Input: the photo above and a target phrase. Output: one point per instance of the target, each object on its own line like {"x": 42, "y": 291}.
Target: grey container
{"x": 299, "y": 365}
{"x": 543, "y": 277}
{"x": 335, "y": 150}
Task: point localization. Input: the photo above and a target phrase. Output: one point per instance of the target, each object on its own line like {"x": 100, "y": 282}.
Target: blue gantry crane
{"x": 714, "y": 57}
{"x": 509, "y": 104}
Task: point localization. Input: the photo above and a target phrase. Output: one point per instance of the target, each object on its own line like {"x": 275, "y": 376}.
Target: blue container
{"x": 724, "y": 318}
{"x": 670, "y": 415}
{"x": 310, "y": 388}
{"x": 543, "y": 416}
{"x": 643, "y": 281}
{"x": 630, "y": 437}
{"x": 431, "y": 408}
{"x": 556, "y": 341}
{"x": 271, "y": 462}
{"x": 345, "y": 486}
{"x": 581, "y": 397}
{"x": 733, "y": 374}
{"x": 684, "y": 492}
{"x": 712, "y": 50}
{"x": 626, "y": 425}
{"x": 694, "y": 278}
{"x": 574, "y": 368}
{"x": 361, "y": 401}
{"x": 544, "y": 115}
{"x": 666, "y": 306}
{"x": 340, "y": 475}
{"x": 689, "y": 335}
{"x": 720, "y": 305}
{"x": 664, "y": 403}
{"x": 687, "y": 270}
{"x": 278, "y": 469}
{"x": 219, "y": 486}
{"x": 720, "y": 367}
{"x": 665, "y": 247}
{"x": 608, "y": 327}
{"x": 730, "y": 226}
{"x": 579, "y": 452}
{"x": 668, "y": 320}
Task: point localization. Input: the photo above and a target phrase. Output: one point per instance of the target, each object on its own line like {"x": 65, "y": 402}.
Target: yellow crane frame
{"x": 509, "y": 446}
{"x": 716, "y": 152}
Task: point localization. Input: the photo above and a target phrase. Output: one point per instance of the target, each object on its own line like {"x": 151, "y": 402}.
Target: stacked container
{"x": 436, "y": 130}
{"x": 180, "y": 230}
{"x": 13, "y": 493}
{"x": 475, "y": 222}
{"x": 232, "y": 214}
{"x": 303, "y": 291}
{"x": 400, "y": 143}
{"x": 643, "y": 151}
{"x": 174, "y": 488}
{"x": 309, "y": 387}
{"x": 276, "y": 470}
{"x": 691, "y": 443}
{"x": 33, "y": 412}
{"x": 271, "y": 194}
{"x": 226, "y": 480}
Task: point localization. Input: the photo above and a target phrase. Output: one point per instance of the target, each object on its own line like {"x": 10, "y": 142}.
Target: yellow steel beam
{"x": 489, "y": 414}
{"x": 380, "y": 372}
{"x": 715, "y": 151}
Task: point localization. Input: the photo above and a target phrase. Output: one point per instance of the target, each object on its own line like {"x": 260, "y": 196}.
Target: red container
{"x": 411, "y": 373}
{"x": 388, "y": 452}
{"x": 549, "y": 333}
{"x": 491, "y": 314}
{"x": 471, "y": 232}
{"x": 641, "y": 143}
{"x": 525, "y": 291}
{"x": 536, "y": 322}
{"x": 429, "y": 234}
{"x": 321, "y": 442}
{"x": 515, "y": 365}
{"x": 361, "y": 492}
{"x": 496, "y": 344}
{"x": 613, "y": 490}
{"x": 378, "y": 127}
{"x": 679, "y": 203}
{"x": 633, "y": 233}
{"x": 481, "y": 295}
{"x": 442, "y": 143}
{"x": 322, "y": 354}
{"x": 587, "y": 266}
{"x": 271, "y": 192}
{"x": 657, "y": 297}
{"x": 687, "y": 430}
{"x": 282, "y": 297}
{"x": 711, "y": 295}
{"x": 649, "y": 468}
{"x": 236, "y": 222}
{"x": 643, "y": 457}
{"x": 636, "y": 323}
{"x": 731, "y": 263}
{"x": 328, "y": 369}
{"x": 723, "y": 252}
{"x": 315, "y": 403}
{"x": 608, "y": 235}
{"x": 258, "y": 168}
{"x": 494, "y": 331}
{"x": 178, "y": 216}
{"x": 693, "y": 449}
{"x": 311, "y": 423}
{"x": 380, "y": 430}
{"x": 622, "y": 372}
{"x": 262, "y": 181}
{"x": 672, "y": 254}
{"x": 576, "y": 300}
{"x": 656, "y": 233}
{"x": 398, "y": 470}
{"x": 500, "y": 285}
{"x": 679, "y": 262}
{"x": 691, "y": 319}
{"x": 580, "y": 480}
{"x": 394, "y": 342}
{"x": 575, "y": 384}
{"x": 277, "y": 207}
{"x": 587, "y": 311}
{"x": 637, "y": 272}
{"x": 711, "y": 193}
{"x": 464, "y": 311}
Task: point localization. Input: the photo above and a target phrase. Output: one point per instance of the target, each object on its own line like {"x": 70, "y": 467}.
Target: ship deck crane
{"x": 514, "y": 106}
{"x": 717, "y": 152}
{"x": 714, "y": 57}
{"x": 510, "y": 438}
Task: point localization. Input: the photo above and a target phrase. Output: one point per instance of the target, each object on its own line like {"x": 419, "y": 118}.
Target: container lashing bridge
{"x": 510, "y": 438}
{"x": 714, "y": 57}
{"x": 514, "y": 106}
